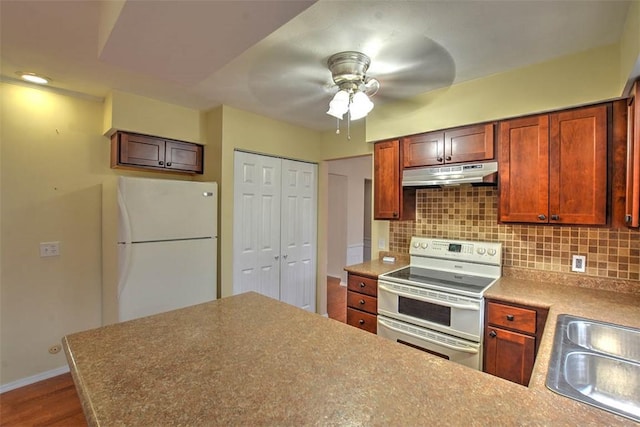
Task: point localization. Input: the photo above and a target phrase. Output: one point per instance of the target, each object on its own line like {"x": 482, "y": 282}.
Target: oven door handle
{"x": 474, "y": 307}
{"x": 469, "y": 350}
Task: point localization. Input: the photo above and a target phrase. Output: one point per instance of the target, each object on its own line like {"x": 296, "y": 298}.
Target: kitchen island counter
{"x": 251, "y": 360}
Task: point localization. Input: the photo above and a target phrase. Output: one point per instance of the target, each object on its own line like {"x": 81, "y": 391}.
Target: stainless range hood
{"x": 447, "y": 176}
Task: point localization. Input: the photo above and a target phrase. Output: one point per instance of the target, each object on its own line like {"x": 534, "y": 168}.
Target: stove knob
{"x": 481, "y": 251}
{"x": 416, "y": 245}
{"x": 423, "y": 245}
{"x": 491, "y": 252}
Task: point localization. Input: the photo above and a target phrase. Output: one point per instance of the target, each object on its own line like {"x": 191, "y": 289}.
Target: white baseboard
{"x": 34, "y": 379}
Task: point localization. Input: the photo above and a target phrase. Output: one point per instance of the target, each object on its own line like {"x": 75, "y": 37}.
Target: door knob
{"x": 361, "y": 301}
{"x": 448, "y": 158}
{"x": 542, "y": 217}
{"x": 277, "y": 257}
{"x": 361, "y": 321}
{"x": 285, "y": 256}
{"x": 168, "y": 163}
{"x": 492, "y": 334}
{"x": 510, "y": 317}
{"x": 161, "y": 163}
{"x": 555, "y": 217}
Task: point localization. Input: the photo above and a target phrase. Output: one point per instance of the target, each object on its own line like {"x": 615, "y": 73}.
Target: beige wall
{"x": 54, "y": 159}
{"x": 54, "y": 166}
{"x": 630, "y": 47}
{"x": 572, "y": 80}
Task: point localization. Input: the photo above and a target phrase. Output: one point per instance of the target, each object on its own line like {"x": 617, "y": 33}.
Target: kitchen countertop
{"x": 252, "y": 360}
{"x": 376, "y": 267}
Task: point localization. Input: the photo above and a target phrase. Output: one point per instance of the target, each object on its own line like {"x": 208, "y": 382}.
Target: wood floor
{"x": 54, "y": 402}
{"x": 336, "y": 300}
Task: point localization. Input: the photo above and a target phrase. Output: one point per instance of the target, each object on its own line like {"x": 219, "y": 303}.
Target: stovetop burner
{"x": 452, "y": 281}
{"x": 455, "y": 266}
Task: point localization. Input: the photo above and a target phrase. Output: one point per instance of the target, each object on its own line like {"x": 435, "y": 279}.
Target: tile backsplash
{"x": 471, "y": 213}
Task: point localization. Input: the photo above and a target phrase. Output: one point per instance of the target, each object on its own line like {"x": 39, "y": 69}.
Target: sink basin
{"x": 597, "y": 363}
{"x": 605, "y": 338}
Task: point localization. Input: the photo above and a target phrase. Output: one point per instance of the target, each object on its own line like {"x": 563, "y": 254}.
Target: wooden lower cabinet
{"x": 362, "y": 302}
{"x": 509, "y": 355}
{"x": 511, "y": 339}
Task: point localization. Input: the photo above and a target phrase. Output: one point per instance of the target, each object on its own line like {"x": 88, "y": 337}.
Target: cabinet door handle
{"x": 510, "y": 317}
{"x": 277, "y": 257}
{"x": 492, "y": 334}
{"x": 361, "y": 321}
{"x": 395, "y": 214}
{"x": 448, "y": 158}
{"x": 627, "y": 218}
{"x": 439, "y": 159}
{"x": 555, "y": 217}
{"x": 285, "y": 256}
{"x": 161, "y": 163}
{"x": 362, "y": 301}
{"x": 542, "y": 217}
{"x": 168, "y": 163}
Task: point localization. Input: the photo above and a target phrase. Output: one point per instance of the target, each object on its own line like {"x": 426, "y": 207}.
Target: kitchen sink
{"x": 597, "y": 363}
{"x": 605, "y": 338}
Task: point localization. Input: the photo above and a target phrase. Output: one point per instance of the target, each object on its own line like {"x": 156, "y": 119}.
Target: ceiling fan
{"x": 349, "y": 73}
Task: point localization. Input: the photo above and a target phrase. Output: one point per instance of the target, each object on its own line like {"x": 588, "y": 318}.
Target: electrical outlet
{"x": 49, "y": 249}
{"x": 578, "y": 263}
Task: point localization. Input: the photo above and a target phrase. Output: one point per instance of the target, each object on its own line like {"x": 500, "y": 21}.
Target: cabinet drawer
{"x": 365, "y": 285}
{"x": 517, "y": 318}
{"x": 362, "y": 302}
{"x": 360, "y": 319}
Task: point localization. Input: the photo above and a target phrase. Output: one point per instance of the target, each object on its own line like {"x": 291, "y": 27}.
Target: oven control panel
{"x": 463, "y": 250}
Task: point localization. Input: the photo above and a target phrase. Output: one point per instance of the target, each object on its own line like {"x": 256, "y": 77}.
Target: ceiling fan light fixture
{"x": 339, "y": 104}
{"x": 360, "y": 106}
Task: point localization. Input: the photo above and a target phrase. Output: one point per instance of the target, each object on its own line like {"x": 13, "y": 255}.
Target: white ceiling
{"x": 269, "y": 57}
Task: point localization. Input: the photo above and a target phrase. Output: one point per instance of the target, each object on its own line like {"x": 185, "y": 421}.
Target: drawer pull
{"x": 492, "y": 334}
{"x": 362, "y": 284}
{"x": 362, "y": 301}
{"x": 510, "y": 317}
{"x": 361, "y": 321}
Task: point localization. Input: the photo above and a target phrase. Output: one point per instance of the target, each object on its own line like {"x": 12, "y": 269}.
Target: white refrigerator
{"x": 166, "y": 245}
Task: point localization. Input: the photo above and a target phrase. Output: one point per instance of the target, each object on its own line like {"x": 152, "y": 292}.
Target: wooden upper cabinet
{"x": 140, "y": 150}
{"x": 183, "y": 156}
{"x": 423, "y": 149}
{"x": 469, "y": 144}
{"x": 578, "y": 166}
{"x": 390, "y": 200}
{"x": 524, "y": 169}
{"x": 553, "y": 168}
{"x": 632, "y": 199}
{"x": 130, "y": 150}
{"x": 466, "y": 144}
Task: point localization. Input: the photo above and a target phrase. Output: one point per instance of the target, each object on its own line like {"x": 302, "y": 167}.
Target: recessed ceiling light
{"x": 34, "y": 78}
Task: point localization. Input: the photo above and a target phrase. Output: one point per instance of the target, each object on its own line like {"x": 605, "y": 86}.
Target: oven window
{"x": 425, "y": 311}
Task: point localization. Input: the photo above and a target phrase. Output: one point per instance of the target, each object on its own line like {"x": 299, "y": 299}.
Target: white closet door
{"x": 298, "y": 234}
{"x": 256, "y": 224}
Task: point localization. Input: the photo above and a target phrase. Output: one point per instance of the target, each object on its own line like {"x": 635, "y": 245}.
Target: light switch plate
{"x": 49, "y": 249}
{"x": 578, "y": 263}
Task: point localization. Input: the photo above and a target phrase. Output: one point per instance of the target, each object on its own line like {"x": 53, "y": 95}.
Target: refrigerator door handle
{"x": 126, "y": 222}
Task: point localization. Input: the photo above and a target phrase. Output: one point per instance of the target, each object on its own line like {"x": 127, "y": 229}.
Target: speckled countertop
{"x": 251, "y": 360}
{"x": 376, "y": 267}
